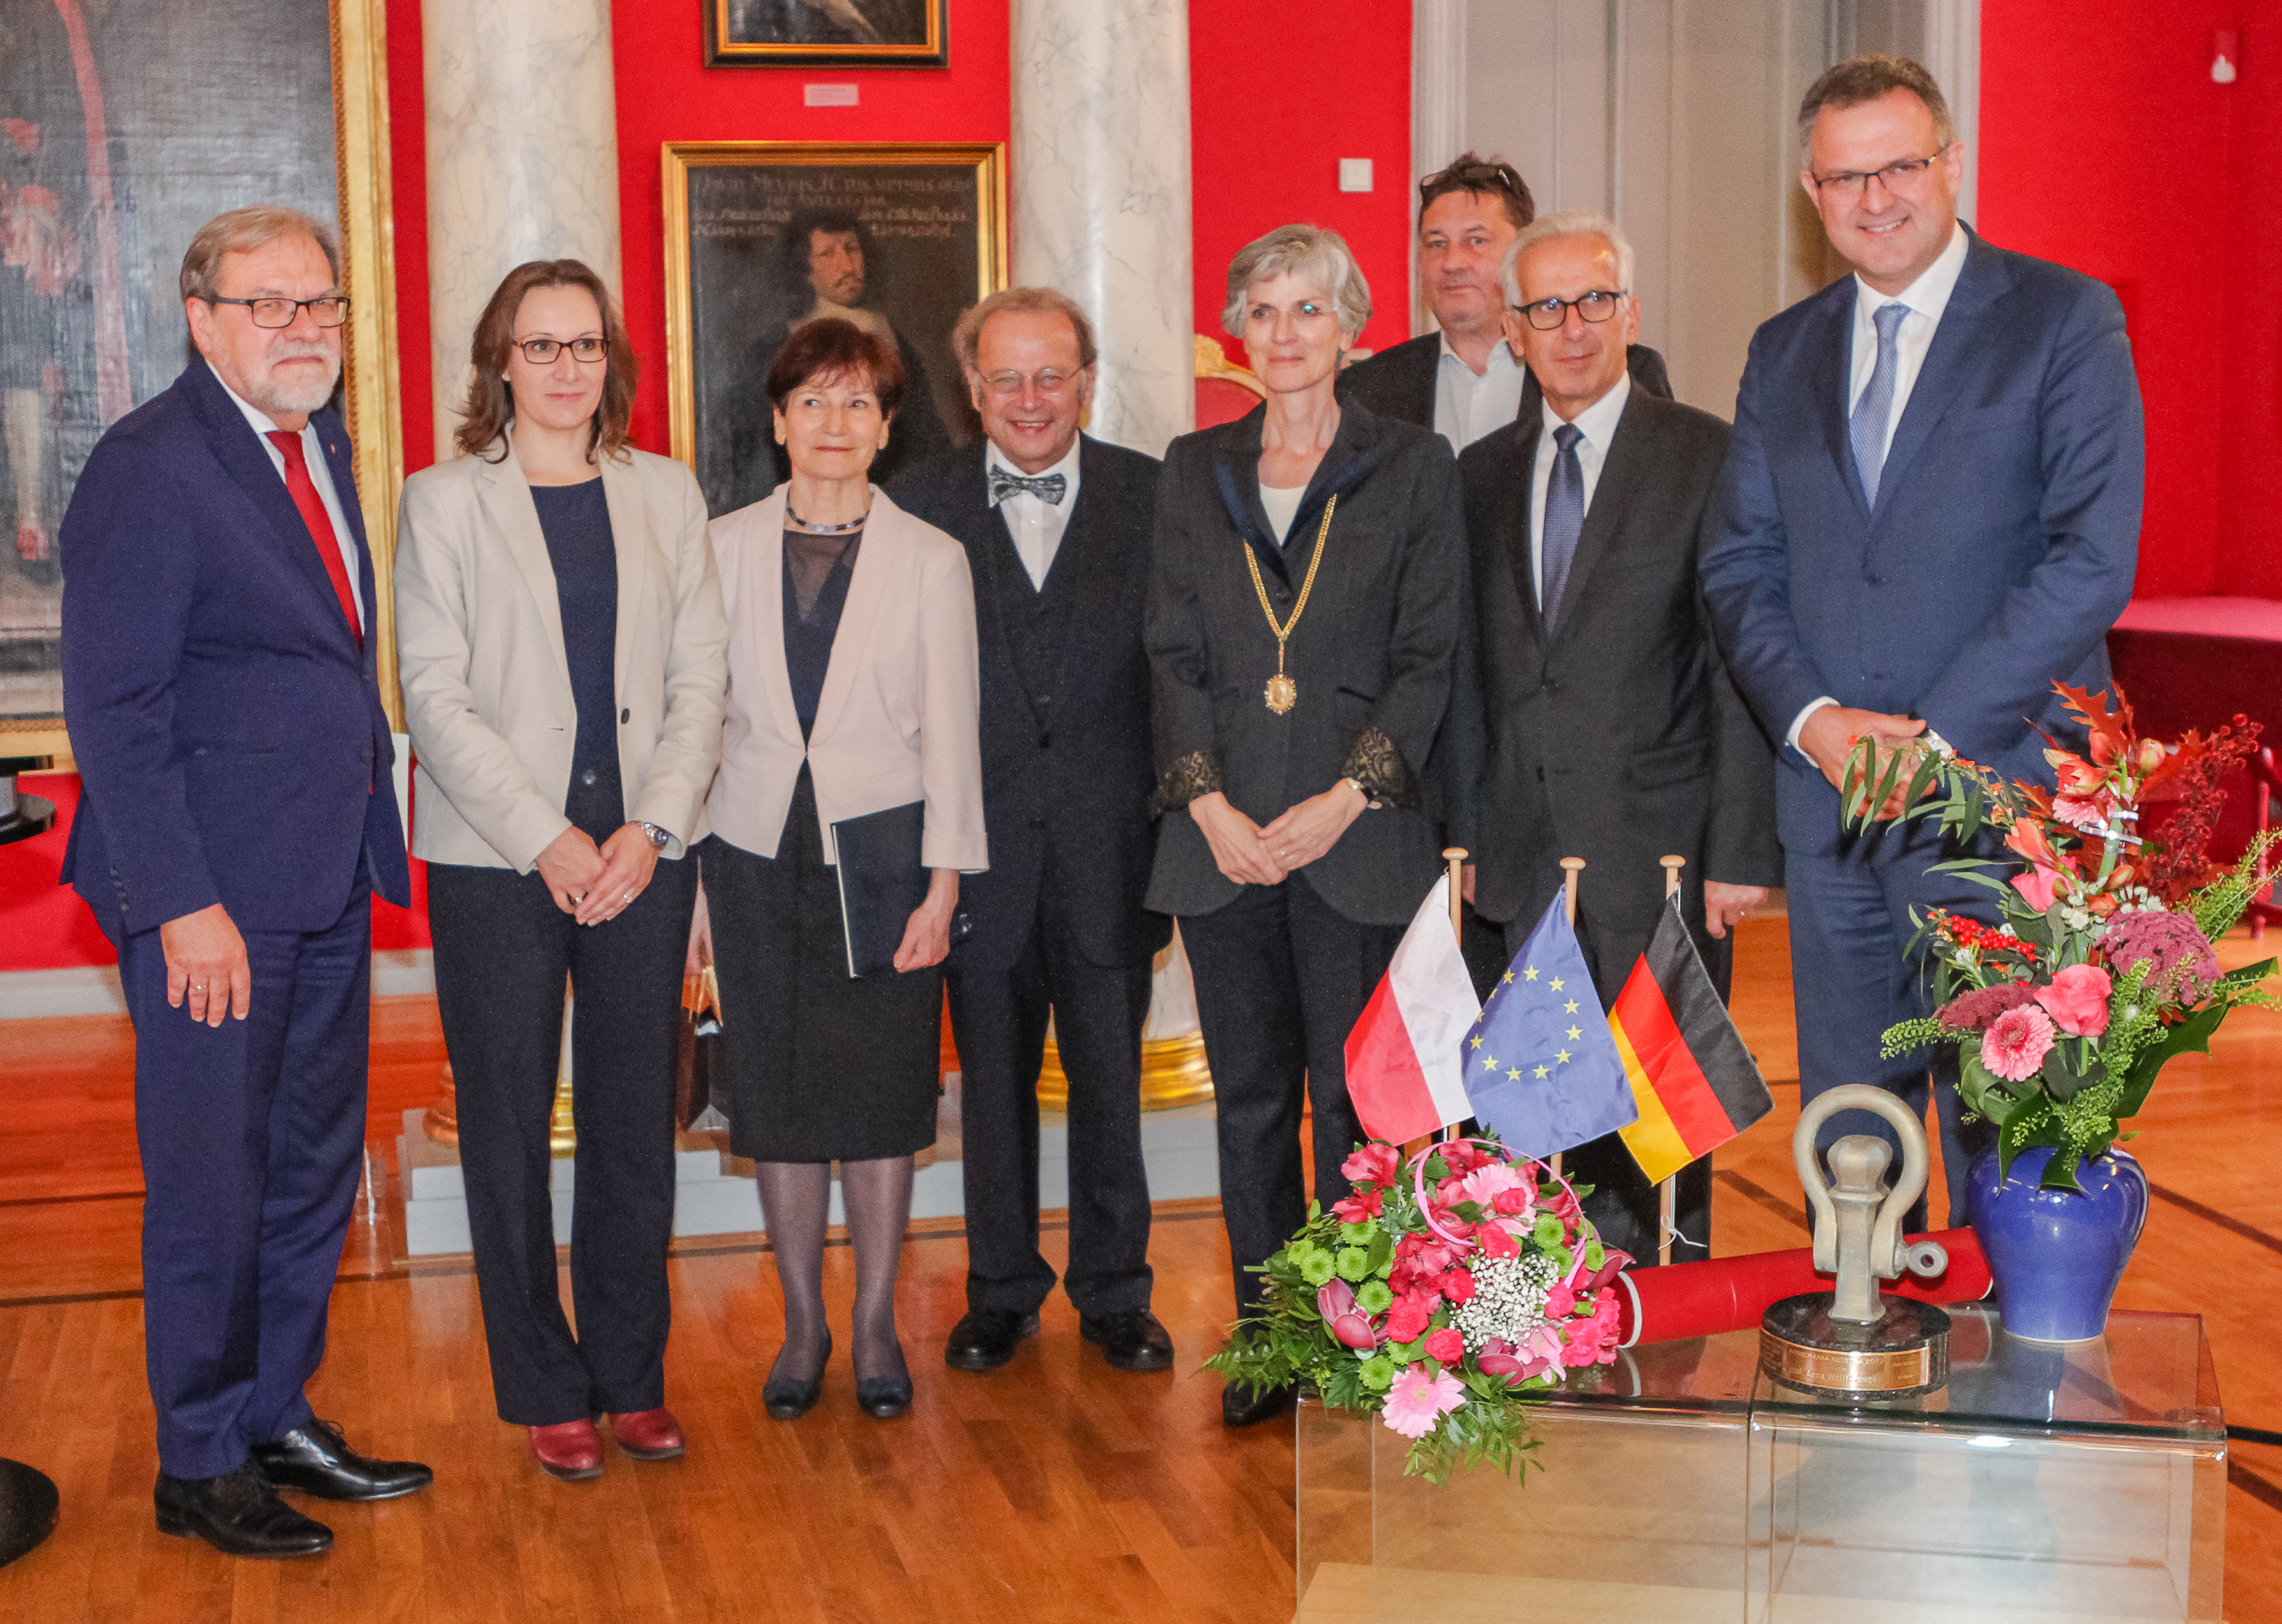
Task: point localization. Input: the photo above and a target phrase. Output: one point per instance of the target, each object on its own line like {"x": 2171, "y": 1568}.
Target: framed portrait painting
{"x": 826, "y": 33}
{"x": 123, "y": 128}
{"x": 763, "y": 237}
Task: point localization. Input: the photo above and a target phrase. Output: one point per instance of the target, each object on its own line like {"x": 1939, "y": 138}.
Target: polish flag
{"x": 1405, "y": 1065}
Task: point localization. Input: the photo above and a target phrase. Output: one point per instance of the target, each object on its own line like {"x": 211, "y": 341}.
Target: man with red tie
{"x": 237, "y": 815}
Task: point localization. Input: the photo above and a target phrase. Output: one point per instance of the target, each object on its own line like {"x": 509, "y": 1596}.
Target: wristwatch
{"x": 658, "y": 837}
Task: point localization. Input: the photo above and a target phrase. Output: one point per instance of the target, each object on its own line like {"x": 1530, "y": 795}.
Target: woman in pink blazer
{"x": 853, "y": 689}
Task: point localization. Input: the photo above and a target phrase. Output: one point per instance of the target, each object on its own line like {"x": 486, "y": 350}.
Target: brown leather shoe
{"x": 649, "y": 1434}
{"x": 569, "y": 1449}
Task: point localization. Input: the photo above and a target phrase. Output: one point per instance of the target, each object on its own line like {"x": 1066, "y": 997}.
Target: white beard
{"x": 277, "y": 395}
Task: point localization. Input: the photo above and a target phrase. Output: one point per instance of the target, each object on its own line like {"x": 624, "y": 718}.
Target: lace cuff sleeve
{"x": 1373, "y": 762}
{"x": 1193, "y": 774}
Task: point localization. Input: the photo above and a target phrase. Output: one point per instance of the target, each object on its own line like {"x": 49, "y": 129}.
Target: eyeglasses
{"x": 1010, "y": 385}
{"x": 329, "y": 309}
{"x": 1900, "y": 175}
{"x": 1548, "y": 314}
{"x": 542, "y": 351}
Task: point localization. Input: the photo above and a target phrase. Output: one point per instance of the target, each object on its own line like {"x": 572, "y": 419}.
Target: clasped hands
{"x": 594, "y": 883}
{"x": 1829, "y": 736}
{"x": 1251, "y": 855}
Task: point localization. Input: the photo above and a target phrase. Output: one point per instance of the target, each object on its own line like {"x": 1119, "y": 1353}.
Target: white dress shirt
{"x": 1927, "y": 297}
{"x": 1596, "y": 425}
{"x": 1036, "y": 523}
{"x": 1281, "y": 502}
{"x": 1466, "y": 405}
{"x": 321, "y": 475}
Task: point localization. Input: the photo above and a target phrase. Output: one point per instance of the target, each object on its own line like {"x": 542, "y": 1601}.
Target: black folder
{"x": 881, "y": 881}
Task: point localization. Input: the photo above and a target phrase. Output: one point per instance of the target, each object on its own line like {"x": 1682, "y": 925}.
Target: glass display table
{"x": 2085, "y": 1482}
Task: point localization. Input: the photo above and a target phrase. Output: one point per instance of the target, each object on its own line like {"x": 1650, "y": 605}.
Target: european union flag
{"x": 1540, "y": 1066}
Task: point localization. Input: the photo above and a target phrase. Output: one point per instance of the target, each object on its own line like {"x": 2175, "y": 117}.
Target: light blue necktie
{"x": 1876, "y": 409}
{"x": 1564, "y": 518}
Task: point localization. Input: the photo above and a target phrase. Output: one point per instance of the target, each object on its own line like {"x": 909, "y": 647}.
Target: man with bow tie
{"x": 1056, "y": 526}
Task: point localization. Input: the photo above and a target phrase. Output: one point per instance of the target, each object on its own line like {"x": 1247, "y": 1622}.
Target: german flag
{"x": 1695, "y": 1083}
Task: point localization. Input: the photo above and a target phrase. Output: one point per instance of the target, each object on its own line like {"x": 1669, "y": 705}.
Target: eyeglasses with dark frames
{"x": 542, "y": 351}
{"x": 327, "y": 309}
{"x": 1548, "y": 314}
{"x": 1900, "y": 175}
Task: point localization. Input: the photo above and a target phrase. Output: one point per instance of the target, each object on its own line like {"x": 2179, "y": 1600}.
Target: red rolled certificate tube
{"x": 1729, "y": 1293}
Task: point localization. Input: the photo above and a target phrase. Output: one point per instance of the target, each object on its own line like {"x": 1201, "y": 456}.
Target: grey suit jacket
{"x": 1372, "y": 655}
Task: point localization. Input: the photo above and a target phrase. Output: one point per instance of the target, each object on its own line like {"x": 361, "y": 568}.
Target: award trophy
{"x": 1851, "y": 1343}
{"x": 27, "y": 1498}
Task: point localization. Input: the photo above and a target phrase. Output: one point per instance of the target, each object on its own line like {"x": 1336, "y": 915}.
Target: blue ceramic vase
{"x": 2056, "y": 1254}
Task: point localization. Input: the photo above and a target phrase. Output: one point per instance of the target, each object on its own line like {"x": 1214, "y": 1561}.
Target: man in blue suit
{"x": 238, "y": 813}
{"x": 1929, "y": 514}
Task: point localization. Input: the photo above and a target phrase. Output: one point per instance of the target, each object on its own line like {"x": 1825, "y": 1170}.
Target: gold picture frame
{"x": 370, "y": 394}
{"x": 963, "y": 225}
{"x": 923, "y": 39}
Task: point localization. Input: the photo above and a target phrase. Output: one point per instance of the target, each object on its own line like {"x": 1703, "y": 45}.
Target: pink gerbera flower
{"x": 2016, "y": 1043}
{"x": 1418, "y": 1400}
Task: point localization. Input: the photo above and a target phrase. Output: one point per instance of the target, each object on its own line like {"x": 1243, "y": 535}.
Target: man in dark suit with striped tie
{"x": 238, "y": 815}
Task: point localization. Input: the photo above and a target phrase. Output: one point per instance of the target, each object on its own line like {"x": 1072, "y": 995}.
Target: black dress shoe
{"x": 1239, "y": 1408}
{"x": 237, "y": 1513}
{"x": 316, "y": 1460}
{"x": 787, "y": 1398}
{"x": 883, "y": 1398}
{"x": 985, "y": 1339}
{"x": 1132, "y": 1340}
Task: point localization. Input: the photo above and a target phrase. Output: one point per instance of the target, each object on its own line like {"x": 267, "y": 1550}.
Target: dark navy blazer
{"x": 227, "y": 726}
{"x": 2004, "y": 540}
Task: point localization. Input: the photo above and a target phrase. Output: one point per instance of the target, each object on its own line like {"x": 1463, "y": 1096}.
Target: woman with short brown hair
{"x": 562, "y": 651}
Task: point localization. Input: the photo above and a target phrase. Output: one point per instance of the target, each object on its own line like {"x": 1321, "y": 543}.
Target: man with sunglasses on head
{"x": 1462, "y": 380}
{"x": 1610, "y": 730}
{"x": 1930, "y": 516}
{"x": 1056, "y": 525}
{"x": 237, "y": 816}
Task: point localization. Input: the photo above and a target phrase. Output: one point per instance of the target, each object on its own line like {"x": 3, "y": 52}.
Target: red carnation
{"x": 1445, "y": 1346}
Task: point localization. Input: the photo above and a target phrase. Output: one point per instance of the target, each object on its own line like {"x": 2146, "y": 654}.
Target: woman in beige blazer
{"x": 562, "y": 649}
{"x": 852, "y": 689}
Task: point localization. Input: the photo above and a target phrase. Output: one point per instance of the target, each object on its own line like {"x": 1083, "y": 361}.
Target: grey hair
{"x": 1310, "y": 252}
{"x": 242, "y": 231}
{"x": 1575, "y": 223}
{"x": 1866, "y": 78}
{"x": 967, "y": 333}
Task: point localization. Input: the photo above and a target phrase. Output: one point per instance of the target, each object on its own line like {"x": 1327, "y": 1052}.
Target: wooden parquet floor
{"x": 1053, "y": 1489}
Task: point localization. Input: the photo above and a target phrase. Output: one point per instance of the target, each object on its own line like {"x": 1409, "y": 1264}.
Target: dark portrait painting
{"x": 825, "y": 33}
{"x": 764, "y": 237}
{"x": 123, "y": 127}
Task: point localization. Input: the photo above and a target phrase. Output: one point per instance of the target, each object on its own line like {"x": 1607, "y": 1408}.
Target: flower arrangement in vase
{"x": 1441, "y": 1295}
{"x": 2101, "y": 971}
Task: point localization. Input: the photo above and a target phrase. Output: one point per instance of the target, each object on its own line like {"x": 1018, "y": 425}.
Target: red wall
{"x": 2105, "y": 145}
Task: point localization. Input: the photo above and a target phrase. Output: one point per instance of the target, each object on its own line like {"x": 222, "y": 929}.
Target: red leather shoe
{"x": 649, "y": 1434}
{"x": 570, "y": 1451}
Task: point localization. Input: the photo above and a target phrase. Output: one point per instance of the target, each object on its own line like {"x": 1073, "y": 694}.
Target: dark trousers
{"x": 503, "y": 951}
{"x": 998, "y": 1020}
{"x": 1853, "y": 976}
{"x": 252, "y": 1137}
{"x": 1281, "y": 977}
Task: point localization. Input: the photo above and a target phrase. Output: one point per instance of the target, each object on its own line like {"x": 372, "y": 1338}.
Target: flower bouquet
{"x": 2102, "y": 969}
{"x": 1440, "y": 1296}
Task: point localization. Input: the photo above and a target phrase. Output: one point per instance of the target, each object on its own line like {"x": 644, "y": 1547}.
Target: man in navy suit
{"x": 1929, "y": 514}
{"x": 237, "y": 815}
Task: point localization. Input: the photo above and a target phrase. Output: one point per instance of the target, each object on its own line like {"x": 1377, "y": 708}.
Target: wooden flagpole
{"x": 1667, "y": 1197}
{"x": 1455, "y": 857}
{"x": 1571, "y": 866}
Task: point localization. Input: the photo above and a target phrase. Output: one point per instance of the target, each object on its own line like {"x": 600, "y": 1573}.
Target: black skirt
{"x": 821, "y": 1068}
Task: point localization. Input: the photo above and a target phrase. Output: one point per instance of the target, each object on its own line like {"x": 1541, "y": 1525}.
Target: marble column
{"x": 1101, "y": 177}
{"x": 522, "y": 160}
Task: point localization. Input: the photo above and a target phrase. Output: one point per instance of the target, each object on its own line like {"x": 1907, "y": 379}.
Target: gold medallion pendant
{"x": 1281, "y": 693}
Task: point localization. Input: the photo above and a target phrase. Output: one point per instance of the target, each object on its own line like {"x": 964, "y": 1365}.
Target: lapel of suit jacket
{"x": 247, "y": 461}
{"x": 505, "y": 497}
{"x": 1425, "y": 377}
{"x": 878, "y": 567}
{"x": 635, "y": 550}
{"x": 1236, "y": 471}
{"x": 333, "y": 435}
{"x": 1981, "y": 282}
{"x": 1621, "y": 468}
{"x": 1517, "y": 481}
{"x": 1829, "y": 350}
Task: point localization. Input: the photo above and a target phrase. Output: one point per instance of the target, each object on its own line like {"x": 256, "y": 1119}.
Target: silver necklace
{"x": 827, "y": 530}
